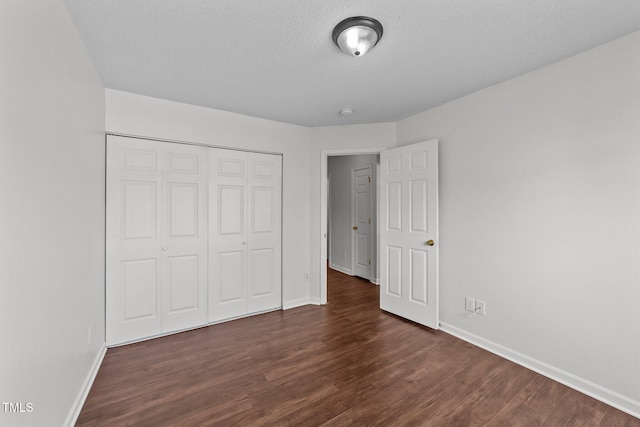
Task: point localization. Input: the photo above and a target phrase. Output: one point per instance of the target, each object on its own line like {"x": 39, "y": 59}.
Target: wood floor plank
{"x": 344, "y": 364}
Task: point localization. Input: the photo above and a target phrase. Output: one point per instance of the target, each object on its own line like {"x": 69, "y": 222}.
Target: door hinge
{"x": 369, "y": 261}
{"x": 369, "y": 220}
{"x": 369, "y": 179}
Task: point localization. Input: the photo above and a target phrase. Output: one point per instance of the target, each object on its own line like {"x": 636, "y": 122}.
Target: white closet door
{"x": 227, "y": 231}
{"x": 245, "y": 248}
{"x": 184, "y": 245}
{"x": 264, "y": 232}
{"x": 133, "y": 243}
{"x": 156, "y": 274}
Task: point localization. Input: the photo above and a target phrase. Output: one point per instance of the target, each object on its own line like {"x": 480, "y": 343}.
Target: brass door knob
{"x": 355, "y": 227}
{"x": 430, "y": 243}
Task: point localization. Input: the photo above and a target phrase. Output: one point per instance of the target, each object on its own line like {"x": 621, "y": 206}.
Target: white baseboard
{"x": 610, "y": 397}
{"x": 314, "y": 301}
{"x": 375, "y": 281}
{"x": 340, "y": 269}
{"x": 287, "y": 305}
{"x": 86, "y": 387}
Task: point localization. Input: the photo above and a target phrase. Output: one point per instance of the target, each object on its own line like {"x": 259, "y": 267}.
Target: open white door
{"x": 409, "y": 232}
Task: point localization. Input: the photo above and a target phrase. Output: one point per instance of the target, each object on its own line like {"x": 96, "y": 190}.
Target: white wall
{"x": 336, "y": 140}
{"x": 133, "y": 114}
{"x": 340, "y": 235}
{"x": 51, "y": 213}
{"x": 540, "y": 217}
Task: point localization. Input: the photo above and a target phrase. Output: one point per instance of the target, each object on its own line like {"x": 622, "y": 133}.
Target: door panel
{"x": 394, "y": 271}
{"x": 418, "y": 206}
{"x": 139, "y": 284}
{"x": 409, "y": 218}
{"x": 227, "y": 240}
{"x": 394, "y": 206}
{"x": 231, "y": 280}
{"x": 183, "y": 209}
{"x": 231, "y": 209}
{"x": 362, "y": 250}
{"x": 144, "y": 158}
{"x": 262, "y": 200}
{"x": 139, "y": 210}
{"x": 183, "y": 283}
{"x": 185, "y": 180}
{"x": 262, "y": 272}
{"x": 264, "y": 233}
{"x": 418, "y": 276}
{"x": 184, "y": 163}
{"x": 133, "y": 240}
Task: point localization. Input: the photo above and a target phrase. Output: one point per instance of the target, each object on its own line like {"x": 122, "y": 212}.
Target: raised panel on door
{"x": 231, "y": 212}
{"x": 262, "y": 270}
{"x": 185, "y": 239}
{"x": 408, "y": 233}
{"x": 230, "y": 290}
{"x": 393, "y": 276}
{"x": 133, "y": 258}
{"x": 139, "y": 311}
{"x": 228, "y": 249}
{"x": 264, "y": 233}
{"x": 139, "y": 206}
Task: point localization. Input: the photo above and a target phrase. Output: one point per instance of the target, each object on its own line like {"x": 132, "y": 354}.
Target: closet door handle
{"x": 244, "y": 243}
{"x": 164, "y": 248}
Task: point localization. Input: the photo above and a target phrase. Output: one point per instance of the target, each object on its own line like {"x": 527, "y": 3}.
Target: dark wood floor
{"x": 344, "y": 364}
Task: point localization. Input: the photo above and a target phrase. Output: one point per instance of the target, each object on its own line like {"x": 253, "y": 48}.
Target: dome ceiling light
{"x": 355, "y": 36}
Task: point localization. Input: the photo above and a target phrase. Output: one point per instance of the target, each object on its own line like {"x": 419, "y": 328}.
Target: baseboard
{"x": 315, "y": 301}
{"x": 375, "y": 281}
{"x": 86, "y": 387}
{"x": 287, "y": 305}
{"x": 610, "y": 397}
{"x": 340, "y": 269}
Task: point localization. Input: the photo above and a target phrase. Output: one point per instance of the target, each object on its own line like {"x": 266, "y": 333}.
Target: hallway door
{"x": 361, "y": 212}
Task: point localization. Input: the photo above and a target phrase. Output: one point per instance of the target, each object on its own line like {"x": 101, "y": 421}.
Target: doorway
{"x": 352, "y": 215}
{"x": 324, "y": 209}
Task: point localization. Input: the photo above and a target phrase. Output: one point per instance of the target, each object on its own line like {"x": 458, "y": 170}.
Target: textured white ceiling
{"x": 276, "y": 60}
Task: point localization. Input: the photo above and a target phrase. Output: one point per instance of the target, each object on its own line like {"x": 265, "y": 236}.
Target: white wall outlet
{"x": 480, "y": 307}
{"x": 469, "y": 304}
{"x": 344, "y": 255}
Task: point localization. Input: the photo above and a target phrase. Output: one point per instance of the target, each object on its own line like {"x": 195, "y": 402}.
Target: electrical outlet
{"x": 344, "y": 255}
{"x": 469, "y": 304}
{"x": 480, "y": 307}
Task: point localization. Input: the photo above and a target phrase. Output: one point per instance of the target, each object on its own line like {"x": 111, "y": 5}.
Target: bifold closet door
{"x": 245, "y": 193}
{"x": 156, "y": 235}
{"x": 185, "y": 226}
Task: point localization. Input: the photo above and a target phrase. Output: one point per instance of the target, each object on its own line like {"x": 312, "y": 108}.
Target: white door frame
{"x": 324, "y": 154}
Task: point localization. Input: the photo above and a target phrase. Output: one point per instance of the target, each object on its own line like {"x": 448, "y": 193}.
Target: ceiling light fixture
{"x": 355, "y": 36}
